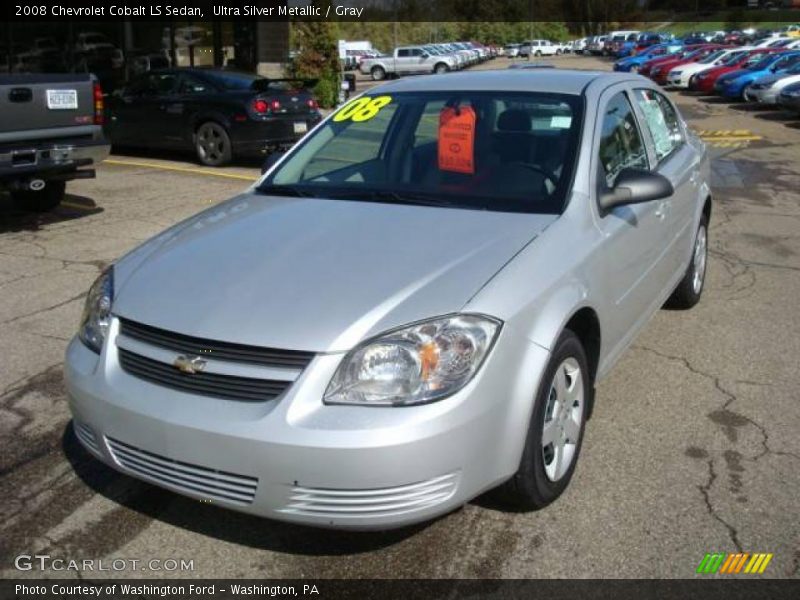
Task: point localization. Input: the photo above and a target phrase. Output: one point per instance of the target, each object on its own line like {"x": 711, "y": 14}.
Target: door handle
{"x": 661, "y": 210}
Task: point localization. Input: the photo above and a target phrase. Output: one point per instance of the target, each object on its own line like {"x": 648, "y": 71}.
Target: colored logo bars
{"x": 732, "y": 564}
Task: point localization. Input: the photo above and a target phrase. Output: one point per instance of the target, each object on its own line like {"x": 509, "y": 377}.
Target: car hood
{"x": 314, "y": 274}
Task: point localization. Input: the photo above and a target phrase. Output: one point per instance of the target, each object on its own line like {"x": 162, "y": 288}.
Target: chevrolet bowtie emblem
{"x": 189, "y": 364}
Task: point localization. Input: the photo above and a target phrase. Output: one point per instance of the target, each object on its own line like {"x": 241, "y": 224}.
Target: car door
{"x": 402, "y": 62}
{"x": 137, "y": 117}
{"x": 191, "y": 94}
{"x": 632, "y": 257}
{"x": 676, "y": 160}
{"x": 419, "y": 61}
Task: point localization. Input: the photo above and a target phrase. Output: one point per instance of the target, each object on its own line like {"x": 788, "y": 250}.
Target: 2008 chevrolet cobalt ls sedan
{"x": 411, "y": 307}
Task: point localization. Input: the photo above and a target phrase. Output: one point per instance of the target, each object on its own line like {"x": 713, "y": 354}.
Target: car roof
{"x": 559, "y": 81}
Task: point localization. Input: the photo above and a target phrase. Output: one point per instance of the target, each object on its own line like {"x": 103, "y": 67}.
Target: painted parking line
{"x": 193, "y": 171}
{"x": 728, "y": 138}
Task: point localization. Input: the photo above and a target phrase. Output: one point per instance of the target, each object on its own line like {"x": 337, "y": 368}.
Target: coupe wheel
{"x": 689, "y": 290}
{"x": 213, "y": 145}
{"x": 555, "y": 432}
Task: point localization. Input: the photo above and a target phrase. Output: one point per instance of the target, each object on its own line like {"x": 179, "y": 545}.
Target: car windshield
{"x": 712, "y": 57}
{"x": 499, "y": 151}
{"x": 760, "y": 63}
{"x": 734, "y": 58}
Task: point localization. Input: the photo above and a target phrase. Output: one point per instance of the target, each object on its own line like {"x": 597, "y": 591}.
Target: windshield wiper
{"x": 393, "y": 196}
{"x": 284, "y": 190}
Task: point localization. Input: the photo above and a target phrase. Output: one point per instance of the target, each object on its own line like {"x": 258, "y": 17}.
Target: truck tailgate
{"x": 30, "y": 103}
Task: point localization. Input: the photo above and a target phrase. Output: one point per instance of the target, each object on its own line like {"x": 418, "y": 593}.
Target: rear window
{"x": 231, "y": 80}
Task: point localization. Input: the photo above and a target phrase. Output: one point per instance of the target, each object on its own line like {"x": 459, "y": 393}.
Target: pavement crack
{"x": 705, "y": 492}
{"x": 43, "y": 310}
{"x": 730, "y": 398}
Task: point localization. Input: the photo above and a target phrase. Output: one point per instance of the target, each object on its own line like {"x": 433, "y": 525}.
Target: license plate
{"x": 300, "y": 127}
{"x": 62, "y": 99}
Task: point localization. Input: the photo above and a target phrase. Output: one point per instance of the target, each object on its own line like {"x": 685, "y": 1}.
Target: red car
{"x": 704, "y": 80}
{"x": 659, "y": 72}
{"x": 654, "y": 62}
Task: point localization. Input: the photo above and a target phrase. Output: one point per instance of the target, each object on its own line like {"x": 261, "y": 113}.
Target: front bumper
{"x": 296, "y": 459}
{"x": 761, "y": 95}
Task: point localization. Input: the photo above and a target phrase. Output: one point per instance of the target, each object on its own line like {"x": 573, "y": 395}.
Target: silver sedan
{"x": 410, "y": 308}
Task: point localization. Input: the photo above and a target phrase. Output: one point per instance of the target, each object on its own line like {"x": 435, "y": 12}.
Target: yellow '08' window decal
{"x": 362, "y": 109}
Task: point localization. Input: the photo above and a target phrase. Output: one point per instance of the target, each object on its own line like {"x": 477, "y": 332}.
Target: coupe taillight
{"x": 97, "y": 93}
{"x": 312, "y": 104}
{"x": 265, "y": 106}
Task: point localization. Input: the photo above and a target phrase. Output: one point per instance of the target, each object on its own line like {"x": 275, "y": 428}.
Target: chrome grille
{"x": 379, "y": 502}
{"x": 86, "y": 435}
{"x": 182, "y": 476}
{"x": 215, "y": 350}
{"x": 206, "y": 384}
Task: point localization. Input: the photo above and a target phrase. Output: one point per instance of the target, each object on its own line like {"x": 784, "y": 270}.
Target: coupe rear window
{"x": 498, "y": 151}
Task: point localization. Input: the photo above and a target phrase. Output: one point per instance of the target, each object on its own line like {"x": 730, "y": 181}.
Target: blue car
{"x": 633, "y": 63}
{"x": 732, "y": 85}
{"x": 645, "y": 41}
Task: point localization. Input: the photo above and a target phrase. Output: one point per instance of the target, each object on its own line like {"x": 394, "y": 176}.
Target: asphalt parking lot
{"x": 694, "y": 445}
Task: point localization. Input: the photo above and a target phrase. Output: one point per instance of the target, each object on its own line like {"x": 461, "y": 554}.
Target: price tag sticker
{"x": 457, "y": 140}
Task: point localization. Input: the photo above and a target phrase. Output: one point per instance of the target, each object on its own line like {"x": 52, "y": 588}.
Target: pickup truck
{"x": 50, "y": 133}
{"x": 408, "y": 60}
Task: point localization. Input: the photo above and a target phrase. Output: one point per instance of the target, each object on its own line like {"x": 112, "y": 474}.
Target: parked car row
{"x": 767, "y": 73}
{"x": 426, "y": 58}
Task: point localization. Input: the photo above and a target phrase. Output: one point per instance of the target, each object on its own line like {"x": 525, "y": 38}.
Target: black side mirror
{"x": 635, "y": 186}
{"x": 271, "y": 160}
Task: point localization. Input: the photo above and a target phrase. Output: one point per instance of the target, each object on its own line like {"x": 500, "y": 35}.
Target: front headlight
{"x": 96, "y": 315}
{"x": 417, "y": 364}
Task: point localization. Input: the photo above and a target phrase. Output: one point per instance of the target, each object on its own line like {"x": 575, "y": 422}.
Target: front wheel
{"x": 41, "y": 200}
{"x": 441, "y": 68}
{"x": 213, "y": 145}
{"x": 555, "y": 431}
{"x": 689, "y": 290}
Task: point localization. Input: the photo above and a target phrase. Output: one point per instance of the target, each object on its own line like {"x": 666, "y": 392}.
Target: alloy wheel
{"x": 211, "y": 143}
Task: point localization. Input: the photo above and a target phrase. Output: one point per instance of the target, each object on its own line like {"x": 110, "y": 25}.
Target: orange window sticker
{"x": 457, "y": 140}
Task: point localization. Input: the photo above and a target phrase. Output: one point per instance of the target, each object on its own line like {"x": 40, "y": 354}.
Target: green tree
{"x": 318, "y": 56}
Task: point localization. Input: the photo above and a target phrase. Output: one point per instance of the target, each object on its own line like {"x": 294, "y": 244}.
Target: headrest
{"x": 514, "y": 120}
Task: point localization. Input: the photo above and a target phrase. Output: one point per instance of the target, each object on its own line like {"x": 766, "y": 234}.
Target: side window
{"x": 403, "y": 53}
{"x": 192, "y": 85}
{"x": 416, "y": 52}
{"x": 661, "y": 120}
{"x": 621, "y": 145}
{"x": 164, "y": 83}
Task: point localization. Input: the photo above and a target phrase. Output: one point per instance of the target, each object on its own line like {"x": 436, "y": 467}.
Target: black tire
{"x": 441, "y": 68}
{"x": 378, "y": 73}
{"x": 531, "y": 488}
{"x": 213, "y": 144}
{"x": 538, "y": 53}
{"x": 42, "y": 200}
{"x": 690, "y": 288}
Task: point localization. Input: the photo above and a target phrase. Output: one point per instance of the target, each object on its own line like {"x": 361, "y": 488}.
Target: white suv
{"x": 538, "y": 48}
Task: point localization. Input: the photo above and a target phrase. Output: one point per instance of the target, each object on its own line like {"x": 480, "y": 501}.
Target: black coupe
{"x": 218, "y": 113}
